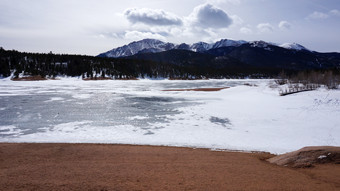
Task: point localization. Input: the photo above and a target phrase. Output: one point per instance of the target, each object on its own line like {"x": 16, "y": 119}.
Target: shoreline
{"x": 150, "y": 145}
{"x": 39, "y": 78}
{"x": 66, "y": 166}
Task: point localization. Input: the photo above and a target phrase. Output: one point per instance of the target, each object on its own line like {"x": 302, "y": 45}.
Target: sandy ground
{"x": 124, "y": 167}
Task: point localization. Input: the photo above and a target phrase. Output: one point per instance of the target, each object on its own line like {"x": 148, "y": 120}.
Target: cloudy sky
{"x": 95, "y": 26}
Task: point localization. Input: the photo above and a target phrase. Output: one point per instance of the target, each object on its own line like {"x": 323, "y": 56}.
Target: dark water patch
{"x": 225, "y": 122}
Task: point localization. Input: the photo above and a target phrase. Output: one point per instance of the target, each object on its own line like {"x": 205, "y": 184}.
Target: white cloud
{"x": 265, "y": 27}
{"x": 321, "y": 15}
{"x": 137, "y": 35}
{"x": 152, "y": 17}
{"x": 205, "y": 22}
{"x": 335, "y": 12}
{"x": 209, "y": 16}
{"x": 108, "y": 35}
{"x": 237, "y": 20}
{"x": 234, "y": 2}
{"x": 246, "y": 30}
{"x": 318, "y": 15}
{"x": 284, "y": 25}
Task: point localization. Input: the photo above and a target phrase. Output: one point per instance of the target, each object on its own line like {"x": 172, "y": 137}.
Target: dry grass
{"x": 97, "y": 78}
{"x": 188, "y": 78}
{"x": 29, "y": 78}
{"x": 198, "y": 89}
{"x": 126, "y": 79}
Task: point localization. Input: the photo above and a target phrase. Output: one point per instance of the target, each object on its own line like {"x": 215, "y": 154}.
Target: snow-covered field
{"x": 243, "y": 117}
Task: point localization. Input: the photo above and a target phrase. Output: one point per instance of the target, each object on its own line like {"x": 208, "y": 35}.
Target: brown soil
{"x": 188, "y": 79}
{"x": 308, "y": 157}
{"x": 98, "y": 78}
{"x": 29, "y": 78}
{"x": 126, "y": 79}
{"x": 123, "y": 167}
{"x": 197, "y": 89}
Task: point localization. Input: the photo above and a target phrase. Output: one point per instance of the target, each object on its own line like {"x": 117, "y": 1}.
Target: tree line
{"x": 51, "y": 65}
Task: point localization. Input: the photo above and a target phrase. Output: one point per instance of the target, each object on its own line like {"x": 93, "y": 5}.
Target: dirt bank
{"x": 124, "y": 167}
{"x": 29, "y": 78}
{"x": 308, "y": 157}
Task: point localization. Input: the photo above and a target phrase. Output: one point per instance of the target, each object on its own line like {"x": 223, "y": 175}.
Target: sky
{"x": 94, "y": 26}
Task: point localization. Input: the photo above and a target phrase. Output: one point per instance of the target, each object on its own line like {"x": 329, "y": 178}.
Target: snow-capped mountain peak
{"x": 200, "y": 47}
{"x": 261, "y": 44}
{"x": 228, "y": 42}
{"x": 293, "y": 46}
{"x": 138, "y": 46}
{"x": 154, "y": 46}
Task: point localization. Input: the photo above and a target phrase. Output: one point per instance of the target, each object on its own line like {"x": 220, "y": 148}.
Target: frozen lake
{"x": 242, "y": 117}
{"x": 36, "y": 106}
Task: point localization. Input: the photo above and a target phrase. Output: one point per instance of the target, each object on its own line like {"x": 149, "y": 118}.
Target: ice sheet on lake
{"x": 252, "y": 118}
{"x": 10, "y": 130}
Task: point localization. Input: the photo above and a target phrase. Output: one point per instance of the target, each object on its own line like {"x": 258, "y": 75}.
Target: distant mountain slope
{"x": 146, "y": 45}
{"x": 228, "y": 43}
{"x": 154, "y": 46}
{"x": 293, "y": 46}
{"x": 177, "y": 57}
{"x": 268, "y": 55}
{"x": 227, "y": 52}
{"x": 256, "y": 54}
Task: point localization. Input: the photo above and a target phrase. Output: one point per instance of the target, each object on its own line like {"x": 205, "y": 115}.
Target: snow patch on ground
{"x": 138, "y": 117}
{"x": 55, "y": 99}
{"x": 322, "y": 157}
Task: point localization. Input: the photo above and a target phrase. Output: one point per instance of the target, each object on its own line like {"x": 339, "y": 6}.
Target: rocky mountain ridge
{"x": 155, "y": 46}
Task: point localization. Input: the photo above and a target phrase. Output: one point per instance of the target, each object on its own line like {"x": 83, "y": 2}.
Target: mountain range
{"x": 228, "y": 53}
{"x": 155, "y": 46}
